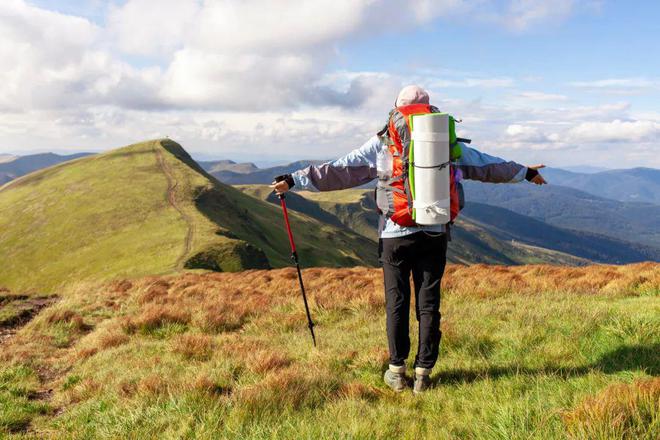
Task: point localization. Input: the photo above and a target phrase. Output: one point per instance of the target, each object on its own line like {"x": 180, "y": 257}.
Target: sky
{"x": 560, "y": 82}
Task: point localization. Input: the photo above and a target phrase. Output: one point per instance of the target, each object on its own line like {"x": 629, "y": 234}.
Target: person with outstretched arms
{"x": 406, "y": 247}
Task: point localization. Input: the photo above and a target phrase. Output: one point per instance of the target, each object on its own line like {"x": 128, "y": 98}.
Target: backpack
{"x": 394, "y": 195}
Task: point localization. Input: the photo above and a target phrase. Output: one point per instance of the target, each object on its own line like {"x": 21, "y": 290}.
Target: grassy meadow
{"x": 528, "y": 352}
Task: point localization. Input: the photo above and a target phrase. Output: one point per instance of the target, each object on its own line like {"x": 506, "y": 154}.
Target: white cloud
{"x": 51, "y": 61}
{"x": 484, "y": 83}
{"x": 524, "y": 14}
{"x": 148, "y": 27}
{"x": 214, "y": 54}
{"x": 619, "y": 86}
{"x": 542, "y": 96}
{"x": 615, "y": 131}
{"x": 256, "y": 76}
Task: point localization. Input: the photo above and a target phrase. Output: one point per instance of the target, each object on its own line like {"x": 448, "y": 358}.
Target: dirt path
{"x": 171, "y": 199}
{"x": 28, "y": 309}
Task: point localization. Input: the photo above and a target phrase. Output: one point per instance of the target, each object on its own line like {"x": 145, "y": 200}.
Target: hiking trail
{"x": 26, "y": 311}
{"x": 171, "y": 199}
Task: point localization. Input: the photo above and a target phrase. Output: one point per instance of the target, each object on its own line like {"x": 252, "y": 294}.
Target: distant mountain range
{"x": 237, "y": 174}
{"x": 622, "y": 204}
{"x": 220, "y": 166}
{"x": 503, "y": 224}
{"x": 12, "y": 167}
{"x": 573, "y": 209}
{"x": 472, "y": 243}
{"x": 484, "y": 233}
{"x": 630, "y": 185}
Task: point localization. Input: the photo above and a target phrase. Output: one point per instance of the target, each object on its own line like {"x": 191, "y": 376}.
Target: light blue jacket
{"x": 359, "y": 167}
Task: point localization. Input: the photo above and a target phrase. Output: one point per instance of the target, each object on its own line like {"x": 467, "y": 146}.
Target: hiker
{"x": 404, "y": 246}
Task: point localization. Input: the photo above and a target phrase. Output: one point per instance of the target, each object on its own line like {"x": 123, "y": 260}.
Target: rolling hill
{"x": 507, "y": 225}
{"x": 483, "y": 233}
{"x": 16, "y": 166}
{"x": 521, "y": 241}
{"x": 573, "y": 209}
{"x": 148, "y": 208}
{"x": 559, "y": 203}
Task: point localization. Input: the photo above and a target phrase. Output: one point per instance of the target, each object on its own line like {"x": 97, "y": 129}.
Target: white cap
{"x": 412, "y": 95}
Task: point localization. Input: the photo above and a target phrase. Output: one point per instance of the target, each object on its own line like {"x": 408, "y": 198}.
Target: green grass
{"x": 16, "y": 408}
{"x": 108, "y": 216}
{"x": 512, "y": 365}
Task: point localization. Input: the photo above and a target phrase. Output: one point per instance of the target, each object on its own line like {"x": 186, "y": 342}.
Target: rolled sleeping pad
{"x": 429, "y": 162}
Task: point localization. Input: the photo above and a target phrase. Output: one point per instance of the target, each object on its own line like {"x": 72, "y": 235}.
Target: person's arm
{"x": 483, "y": 167}
{"x": 356, "y": 168}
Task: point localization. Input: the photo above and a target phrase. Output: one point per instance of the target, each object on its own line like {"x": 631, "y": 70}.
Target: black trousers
{"x": 424, "y": 255}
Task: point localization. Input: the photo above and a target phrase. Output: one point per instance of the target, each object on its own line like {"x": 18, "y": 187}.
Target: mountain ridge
{"x": 149, "y": 208}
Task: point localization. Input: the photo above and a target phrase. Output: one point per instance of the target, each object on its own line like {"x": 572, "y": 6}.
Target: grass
{"x": 535, "y": 352}
{"x": 147, "y": 208}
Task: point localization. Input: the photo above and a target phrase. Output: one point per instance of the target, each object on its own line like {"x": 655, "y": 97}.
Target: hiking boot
{"x": 395, "y": 378}
{"x": 422, "y": 380}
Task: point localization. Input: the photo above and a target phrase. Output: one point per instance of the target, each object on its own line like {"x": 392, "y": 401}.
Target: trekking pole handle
{"x": 279, "y": 179}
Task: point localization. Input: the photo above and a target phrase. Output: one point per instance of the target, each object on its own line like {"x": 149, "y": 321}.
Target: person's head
{"x": 412, "y": 95}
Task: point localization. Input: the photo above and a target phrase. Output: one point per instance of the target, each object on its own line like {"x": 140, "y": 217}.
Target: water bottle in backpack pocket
{"x": 384, "y": 163}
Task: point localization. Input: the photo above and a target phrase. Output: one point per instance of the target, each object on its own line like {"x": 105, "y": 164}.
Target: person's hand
{"x": 280, "y": 187}
{"x": 534, "y": 176}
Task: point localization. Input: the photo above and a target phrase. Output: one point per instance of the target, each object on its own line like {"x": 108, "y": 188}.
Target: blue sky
{"x": 563, "y": 82}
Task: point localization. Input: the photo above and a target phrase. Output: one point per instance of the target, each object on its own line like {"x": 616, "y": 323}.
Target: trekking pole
{"x": 294, "y": 257}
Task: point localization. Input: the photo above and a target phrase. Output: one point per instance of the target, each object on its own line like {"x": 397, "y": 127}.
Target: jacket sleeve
{"x": 356, "y": 168}
{"x": 476, "y": 165}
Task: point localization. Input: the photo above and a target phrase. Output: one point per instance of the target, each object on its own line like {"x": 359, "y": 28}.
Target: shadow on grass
{"x": 628, "y": 357}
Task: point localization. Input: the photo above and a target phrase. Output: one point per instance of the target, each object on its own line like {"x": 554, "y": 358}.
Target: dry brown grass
{"x": 112, "y": 339}
{"x": 154, "y": 316}
{"x": 153, "y": 384}
{"x": 484, "y": 280}
{"x": 357, "y": 390}
{"x": 209, "y": 386}
{"x": 196, "y": 346}
{"x": 121, "y": 286}
{"x": 226, "y": 302}
{"x": 66, "y": 317}
{"x": 83, "y": 391}
{"x": 244, "y": 333}
{"x": 262, "y": 361}
{"x": 632, "y": 411}
{"x": 290, "y": 388}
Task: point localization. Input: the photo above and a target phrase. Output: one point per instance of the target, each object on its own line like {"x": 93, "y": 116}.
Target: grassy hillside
{"x": 572, "y": 209}
{"x": 528, "y": 352}
{"x": 483, "y": 233}
{"x": 509, "y": 226}
{"x": 147, "y": 209}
